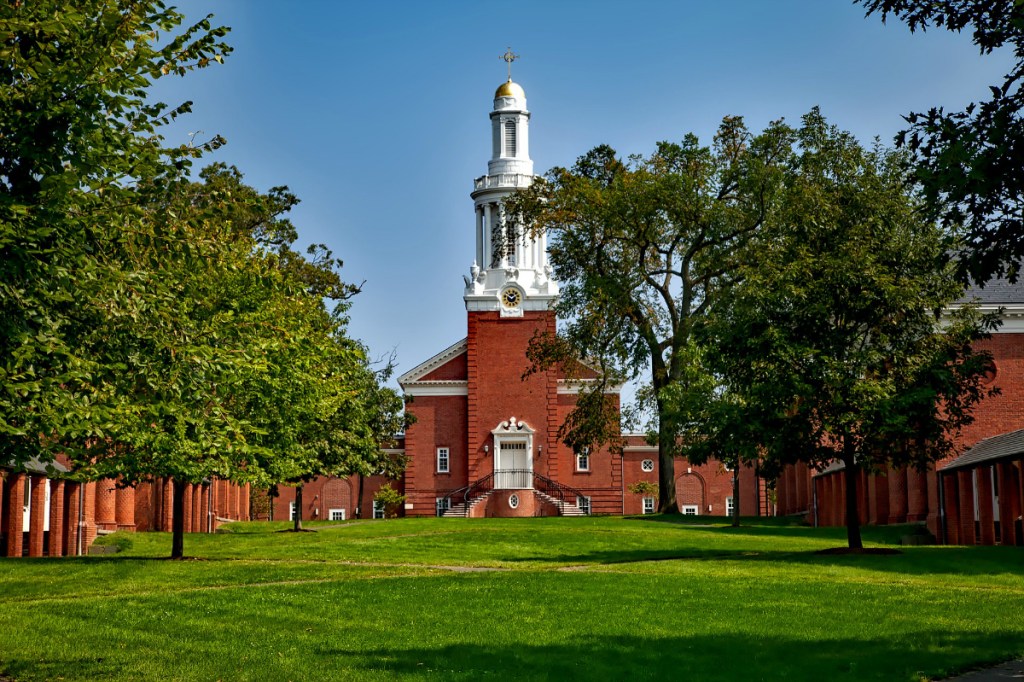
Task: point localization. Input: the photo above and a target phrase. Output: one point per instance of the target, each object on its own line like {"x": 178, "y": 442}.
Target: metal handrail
{"x": 513, "y": 479}
{"x": 559, "y": 488}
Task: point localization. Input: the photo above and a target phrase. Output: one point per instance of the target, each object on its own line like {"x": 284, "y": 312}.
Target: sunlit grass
{"x": 593, "y": 598}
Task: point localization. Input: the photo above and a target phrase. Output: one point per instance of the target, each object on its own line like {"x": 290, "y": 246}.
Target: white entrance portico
{"x": 513, "y": 455}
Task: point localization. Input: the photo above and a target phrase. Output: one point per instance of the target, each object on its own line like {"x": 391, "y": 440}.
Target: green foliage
{"x": 643, "y": 488}
{"x": 831, "y": 346}
{"x": 151, "y": 324}
{"x": 390, "y": 499}
{"x": 80, "y": 155}
{"x": 968, "y": 162}
{"x": 643, "y": 247}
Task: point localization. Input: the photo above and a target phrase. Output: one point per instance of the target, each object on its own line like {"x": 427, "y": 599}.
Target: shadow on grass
{"x": 726, "y": 656}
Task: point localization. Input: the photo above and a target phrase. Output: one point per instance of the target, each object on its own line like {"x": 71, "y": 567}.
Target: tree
{"x": 390, "y": 499}
{"x": 79, "y": 149}
{"x": 970, "y": 163}
{"x": 833, "y": 346}
{"x": 152, "y": 325}
{"x": 643, "y": 248}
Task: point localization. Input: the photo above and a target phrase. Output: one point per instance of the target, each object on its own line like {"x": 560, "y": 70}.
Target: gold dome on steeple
{"x": 510, "y": 89}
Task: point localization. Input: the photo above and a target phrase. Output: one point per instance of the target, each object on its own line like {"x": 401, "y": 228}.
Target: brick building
{"x": 44, "y": 513}
{"x": 974, "y": 498}
{"x": 485, "y": 439}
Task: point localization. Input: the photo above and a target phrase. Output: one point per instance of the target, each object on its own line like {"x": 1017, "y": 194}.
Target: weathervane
{"x": 508, "y": 58}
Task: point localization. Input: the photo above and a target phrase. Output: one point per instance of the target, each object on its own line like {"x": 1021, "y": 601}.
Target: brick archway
{"x": 690, "y": 490}
{"x": 337, "y": 494}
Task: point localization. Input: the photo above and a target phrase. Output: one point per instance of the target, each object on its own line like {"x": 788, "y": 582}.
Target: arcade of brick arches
{"x": 485, "y": 443}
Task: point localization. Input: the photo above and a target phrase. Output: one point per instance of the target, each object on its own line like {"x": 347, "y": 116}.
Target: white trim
{"x": 330, "y": 514}
{"x": 648, "y": 502}
{"x": 574, "y": 386}
{"x": 690, "y": 510}
{"x": 437, "y": 388}
{"x": 447, "y": 460}
{"x": 393, "y": 451}
{"x": 1011, "y": 314}
{"x": 421, "y": 370}
{"x": 378, "y": 508}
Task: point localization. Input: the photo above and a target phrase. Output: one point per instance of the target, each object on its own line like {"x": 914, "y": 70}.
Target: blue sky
{"x": 375, "y": 114}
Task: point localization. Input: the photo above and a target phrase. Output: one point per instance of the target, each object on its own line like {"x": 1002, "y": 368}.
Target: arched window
{"x": 510, "y": 138}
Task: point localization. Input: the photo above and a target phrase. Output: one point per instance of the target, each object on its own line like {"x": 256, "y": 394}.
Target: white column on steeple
{"x": 521, "y": 264}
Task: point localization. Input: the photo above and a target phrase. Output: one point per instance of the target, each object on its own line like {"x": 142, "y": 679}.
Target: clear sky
{"x": 376, "y": 113}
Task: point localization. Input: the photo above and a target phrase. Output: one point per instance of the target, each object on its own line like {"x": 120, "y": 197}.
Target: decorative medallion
{"x": 513, "y": 500}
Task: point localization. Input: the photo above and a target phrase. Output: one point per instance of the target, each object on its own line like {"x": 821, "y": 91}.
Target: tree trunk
{"x": 359, "y": 498}
{"x": 178, "y": 520}
{"x": 850, "y": 472}
{"x": 736, "y": 493}
{"x": 298, "y": 508}
{"x": 667, "y": 503}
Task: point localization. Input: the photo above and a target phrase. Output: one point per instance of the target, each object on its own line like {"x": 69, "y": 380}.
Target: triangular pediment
{"x": 447, "y": 366}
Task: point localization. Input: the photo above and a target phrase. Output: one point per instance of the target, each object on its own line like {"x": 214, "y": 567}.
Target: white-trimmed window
{"x": 378, "y": 509}
{"x": 689, "y": 510}
{"x": 441, "y": 505}
{"x": 442, "y": 460}
{"x": 513, "y": 501}
{"x": 583, "y": 503}
{"x": 583, "y": 460}
{"x": 647, "y": 465}
{"x": 335, "y": 514}
{"x": 291, "y": 511}
{"x": 648, "y": 505}
{"x": 729, "y": 507}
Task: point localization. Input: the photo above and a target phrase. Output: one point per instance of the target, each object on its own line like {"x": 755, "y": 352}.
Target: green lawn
{"x": 590, "y": 598}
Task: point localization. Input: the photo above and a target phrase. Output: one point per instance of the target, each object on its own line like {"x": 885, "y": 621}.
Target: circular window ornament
{"x": 647, "y": 465}
{"x": 513, "y": 500}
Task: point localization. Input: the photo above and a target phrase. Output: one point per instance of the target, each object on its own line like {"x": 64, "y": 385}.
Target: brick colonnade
{"x": 901, "y": 495}
{"x": 40, "y": 516}
{"x": 983, "y": 504}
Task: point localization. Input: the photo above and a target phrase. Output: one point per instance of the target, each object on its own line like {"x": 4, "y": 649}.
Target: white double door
{"x": 513, "y": 465}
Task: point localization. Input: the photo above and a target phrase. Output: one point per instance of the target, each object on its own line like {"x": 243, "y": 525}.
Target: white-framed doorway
{"x": 513, "y": 455}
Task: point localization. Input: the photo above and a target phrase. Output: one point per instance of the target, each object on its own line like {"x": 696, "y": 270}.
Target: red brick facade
{"x": 44, "y": 516}
{"x": 905, "y": 495}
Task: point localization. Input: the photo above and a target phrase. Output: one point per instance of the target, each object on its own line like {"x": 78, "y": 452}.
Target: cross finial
{"x": 508, "y": 58}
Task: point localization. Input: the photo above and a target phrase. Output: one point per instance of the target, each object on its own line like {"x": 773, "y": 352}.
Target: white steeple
{"x": 510, "y": 272}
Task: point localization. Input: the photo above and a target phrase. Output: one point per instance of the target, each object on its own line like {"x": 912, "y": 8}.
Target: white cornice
{"x": 423, "y": 369}
{"x": 1011, "y": 314}
{"x": 574, "y": 386}
{"x": 441, "y": 388}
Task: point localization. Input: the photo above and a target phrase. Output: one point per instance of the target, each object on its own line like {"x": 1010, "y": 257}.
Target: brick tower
{"x": 485, "y": 440}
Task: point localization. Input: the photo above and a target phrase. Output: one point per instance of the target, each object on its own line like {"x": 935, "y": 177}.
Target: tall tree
{"x": 642, "y": 248}
{"x": 833, "y": 346}
{"x": 80, "y": 155}
{"x": 970, "y": 163}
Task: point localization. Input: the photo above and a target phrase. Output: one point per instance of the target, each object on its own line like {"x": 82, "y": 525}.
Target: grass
{"x": 558, "y": 598}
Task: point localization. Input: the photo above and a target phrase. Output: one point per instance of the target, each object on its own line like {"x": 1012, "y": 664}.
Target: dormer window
{"x": 510, "y": 138}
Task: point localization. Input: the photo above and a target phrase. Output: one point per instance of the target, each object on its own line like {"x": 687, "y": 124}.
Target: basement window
{"x": 648, "y": 505}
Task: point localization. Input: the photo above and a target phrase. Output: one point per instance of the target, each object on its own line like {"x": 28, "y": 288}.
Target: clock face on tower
{"x": 511, "y": 297}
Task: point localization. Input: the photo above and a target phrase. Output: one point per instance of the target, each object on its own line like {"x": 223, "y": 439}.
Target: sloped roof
{"x": 995, "y": 292}
{"x": 1003, "y": 446}
{"x": 38, "y": 466}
